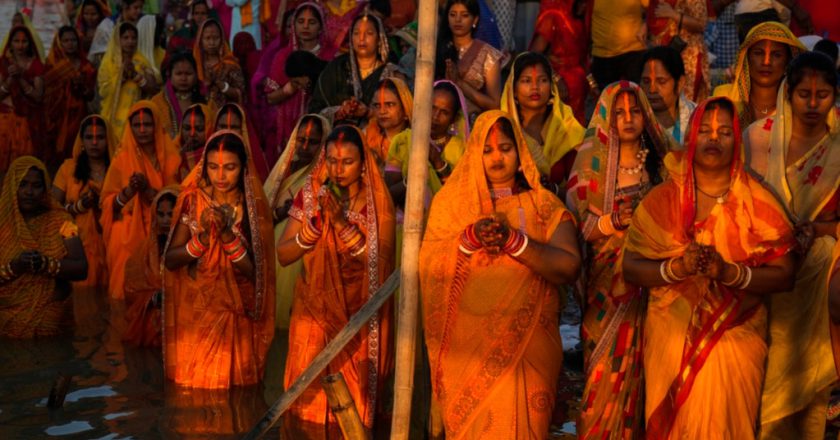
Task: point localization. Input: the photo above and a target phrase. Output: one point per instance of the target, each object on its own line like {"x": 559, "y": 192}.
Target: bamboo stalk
{"x": 342, "y": 406}
{"x": 418, "y": 168}
{"x": 324, "y": 357}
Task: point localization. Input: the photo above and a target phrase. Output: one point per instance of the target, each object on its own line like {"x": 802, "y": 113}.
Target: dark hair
{"x": 232, "y": 143}
{"x": 198, "y": 112}
{"x": 95, "y": 4}
{"x": 82, "y": 171}
{"x": 653, "y": 162}
{"x": 126, "y": 26}
{"x": 168, "y": 197}
{"x": 316, "y": 120}
{"x": 230, "y": 108}
{"x": 65, "y": 29}
{"x": 389, "y": 85}
{"x": 315, "y": 12}
{"x": 376, "y": 25}
{"x": 445, "y": 46}
{"x": 528, "y": 59}
{"x": 505, "y": 126}
{"x": 30, "y": 51}
{"x": 199, "y": 3}
{"x": 347, "y": 133}
{"x": 827, "y": 47}
{"x": 811, "y": 63}
{"x": 183, "y": 56}
{"x": 145, "y": 110}
{"x": 453, "y": 92}
{"x": 160, "y": 31}
{"x": 669, "y": 57}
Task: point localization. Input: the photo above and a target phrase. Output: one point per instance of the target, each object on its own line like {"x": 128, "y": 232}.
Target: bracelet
{"x": 232, "y": 246}
{"x": 302, "y": 246}
{"x": 443, "y": 168}
{"x": 52, "y": 266}
{"x": 6, "y": 272}
{"x": 469, "y": 243}
{"x": 142, "y": 83}
{"x": 669, "y": 270}
{"x": 359, "y": 251}
{"x": 605, "y": 225}
{"x": 79, "y": 207}
{"x": 226, "y": 87}
{"x": 616, "y": 221}
{"x": 309, "y": 234}
{"x": 4, "y": 89}
{"x": 516, "y": 243}
{"x": 69, "y": 208}
{"x": 747, "y": 278}
{"x": 522, "y": 248}
{"x": 195, "y": 247}
{"x": 119, "y": 200}
{"x": 739, "y": 276}
{"x": 235, "y": 258}
{"x": 663, "y": 272}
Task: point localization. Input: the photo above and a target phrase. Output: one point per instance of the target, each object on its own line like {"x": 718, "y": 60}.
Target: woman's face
{"x": 344, "y": 163}
{"x": 443, "y": 112}
{"x": 31, "y": 192}
{"x": 365, "y": 39}
{"x": 715, "y": 140}
{"x": 90, "y": 16}
{"x": 461, "y": 22}
{"x": 164, "y": 215}
{"x": 94, "y": 142}
{"x": 223, "y": 169}
{"x": 307, "y": 140}
{"x": 388, "y": 109}
{"x": 128, "y": 41}
{"x": 20, "y": 44}
{"x": 183, "y": 76}
{"x": 143, "y": 127}
{"x": 812, "y": 100}
{"x": 69, "y": 43}
{"x": 661, "y": 88}
{"x": 200, "y": 13}
{"x": 230, "y": 120}
{"x": 767, "y": 61}
{"x": 500, "y": 158}
{"x": 211, "y": 39}
{"x": 628, "y": 116}
{"x": 307, "y": 26}
{"x": 192, "y": 129}
{"x": 533, "y": 87}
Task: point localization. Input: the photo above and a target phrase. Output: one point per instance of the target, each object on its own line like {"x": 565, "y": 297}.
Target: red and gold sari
{"x": 705, "y": 349}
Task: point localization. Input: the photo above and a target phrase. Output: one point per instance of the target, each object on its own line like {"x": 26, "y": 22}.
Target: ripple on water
{"x": 74, "y": 427}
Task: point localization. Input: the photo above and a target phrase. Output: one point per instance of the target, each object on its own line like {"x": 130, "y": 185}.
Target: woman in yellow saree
{"x": 285, "y": 181}
{"x": 41, "y": 253}
{"x": 796, "y": 153}
{"x": 391, "y": 108}
{"x": 342, "y": 225}
{"x": 617, "y": 164}
{"x": 707, "y": 244}
{"x": 496, "y": 247}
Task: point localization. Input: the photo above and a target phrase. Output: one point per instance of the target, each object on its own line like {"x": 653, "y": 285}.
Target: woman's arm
{"x": 558, "y": 261}
{"x": 490, "y": 99}
{"x": 74, "y": 266}
{"x": 288, "y": 249}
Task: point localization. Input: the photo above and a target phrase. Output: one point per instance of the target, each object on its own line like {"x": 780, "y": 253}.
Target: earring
{"x": 475, "y": 25}
{"x": 452, "y": 129}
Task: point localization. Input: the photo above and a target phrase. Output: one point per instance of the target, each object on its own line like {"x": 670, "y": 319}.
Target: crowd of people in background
{"x": 228, "y": 168}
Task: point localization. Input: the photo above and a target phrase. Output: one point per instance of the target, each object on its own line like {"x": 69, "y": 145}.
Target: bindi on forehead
{"x": 652, "y": 71}
{"x": 714, "y": 122}
{"x": 767, "y": 49}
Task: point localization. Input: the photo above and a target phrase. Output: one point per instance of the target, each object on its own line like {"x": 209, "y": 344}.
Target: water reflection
{"x": 116, "y": 391}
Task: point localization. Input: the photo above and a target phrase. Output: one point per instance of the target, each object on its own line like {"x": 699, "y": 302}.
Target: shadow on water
{"x": 118, "y": 391}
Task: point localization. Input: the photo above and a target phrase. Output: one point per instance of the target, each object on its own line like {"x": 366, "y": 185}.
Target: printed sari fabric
{"x": 218, "y": 324}
{"x": 29, "y": 304}
{"x": 613, "y": 319}
{"x": 490, "y": 322}
{"x": 331, "y": 288}
{"x": 705, "y": 347}
{"x": 694, "y": 56}
{"x": 474, "y": 65}
{"x": 21, "y": 118}
{"x": 799, "y": 364}
{"x": 126, "y": 232}
{"x": 376, "y": 138}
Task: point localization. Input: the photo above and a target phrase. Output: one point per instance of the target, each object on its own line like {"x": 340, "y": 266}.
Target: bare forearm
{"x": 555, "y": 265}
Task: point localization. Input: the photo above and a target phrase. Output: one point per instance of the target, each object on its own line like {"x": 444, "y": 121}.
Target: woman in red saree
{"x": 219, "y": 283}
{"x": 69, "y": 83}
{"x": 496, "y": 247}
{"x": 342, "y": 225}
{"x": 707, "y": 244}
{"x": 21, "y": 91}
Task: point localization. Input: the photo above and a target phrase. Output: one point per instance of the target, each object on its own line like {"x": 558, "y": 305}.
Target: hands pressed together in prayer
{"x": 350, "y": 109}
{"x": 219, "y": 219}
{"x": 701, "y": 260}
{"x": 332, "y": 211}
{"x": 494, "y": 235}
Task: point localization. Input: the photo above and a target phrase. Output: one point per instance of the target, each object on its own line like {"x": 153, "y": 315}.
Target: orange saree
{"x": 331, "y": 288}
{"x": 376, "y": 138}
{"x": 491, "y": 324}
{"x": 705, "y": 350}
{"x": 125, "y": 233}
{"x": 218, "y": 324}
{"x": 227, "y": 70}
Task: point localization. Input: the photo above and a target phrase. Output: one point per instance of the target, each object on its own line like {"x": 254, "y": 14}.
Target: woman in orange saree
{"x": 69, "y": 82}
{"x": 708, "y": 244}
{"x": 144, "y": 163}
{"x": 391, "y": 107}
{"x": 617, "y": 164}
{"x": 342, "y": 225}
{"x": 78, "y": 187}
{"x": 41, "y": 253}
{"x": 496, "y": 247}
{"x": 144, "y": 276}
{"x": 218, "y": 69}
{"x": 219, "y": 280}
{"x": 195, "y": 128}
{"x": 21, "y": 92}
{"x": 231, "y": 116}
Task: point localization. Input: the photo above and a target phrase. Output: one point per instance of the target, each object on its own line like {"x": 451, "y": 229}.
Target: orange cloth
{"x": 703, "y": 355}
{"x": 226, "y": 70}
{"x": 125, "y": 234}
{"x": 189, "y": 159}
{"x": 376, "y": 138}
{"x": 331, "y": 288}
{"x": 143, "y": 282}
{"x": 491, "y": 323}
{"x": 90, "y": 230}
{"x": 21, "y": 119}
{"x": 218, "y": 324}
{"x": 28, "y": 307}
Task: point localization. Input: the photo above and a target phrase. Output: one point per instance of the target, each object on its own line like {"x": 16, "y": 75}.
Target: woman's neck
{"x": 533, "y": 119}
{"x": 98, "y": 164}
{"x": 463, "y": 41}
{"x": 395, "y": 130}
{"x": 506, "y": 185}
{"x": 211, "y": 58}
{"x": 149, "y": 149}
{"x": 231, "y": 197}
{"x": 712, "y": 181}
{"x": 763, "y": 99}
{"x": 630, "y": 147}
{"x": 307, "y": 45}
{"x": 801, "y": 130}
{"x": 367, "y": 63}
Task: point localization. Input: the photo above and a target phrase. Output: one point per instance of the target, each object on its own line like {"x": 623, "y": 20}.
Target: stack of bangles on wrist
{"x": 195, "y": 247}
{"x": 235, "y": 250}
{"x": 605, "y": 225}
{"x": 615, "y": 217}
{"x": 742, "y": 278}
{"x": 76, "y": 208}
{"x": 353, "y": 239}
{"x": 51, "y": 265}
{"x": 119, "y": 199}
{"x": 309, "y": 235}
{"x": 469, "y": 243}
{"x": 666, "y": 270}
{"x": 6, "y": 273}
{"x": 516, "y": 243}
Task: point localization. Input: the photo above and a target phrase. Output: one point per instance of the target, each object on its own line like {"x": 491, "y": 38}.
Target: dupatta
{"x": 226, "y": 57}
{"x": 279, "y": 180}
{"x": 376, "y": 138}
{"x": 249, "y": 136}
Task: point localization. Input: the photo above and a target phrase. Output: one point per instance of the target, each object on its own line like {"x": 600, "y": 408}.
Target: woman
{"x": 619, "y": 162}
{"x": 708, "y": 244}
{"x": 41, "y": 253}
{"x": 150, "y": 32}
{"x": 365, "y": 65}
{"x": 124, "y": 77}
{"x": 218, "y": 69}
{"x": 144, "y": 276}
{"x": 549, "y": 126}
{"x": 663, "y": 77}
{"x": 391, "y": 108}
{"x": 232, "y": 117}
{"x": 289, "y": 96}
{"x": 471, "y": 64}
{"x": 196, "y": 128}
{"x": 184, "y": 38}
{"x": 21, "y": 93}
{"x": 796, "y": 153}
{"x": 671, "y": 22}
{"x": 69, "y": 83}
{"x": 219, "y": 283}
{"x": 182, "y": 90}
{"x": 88, "y": 17}
{"x": 496, "y": 246}
{"x": 764, "y": 54}
{"x": 286, "y": 179}
{"x": 145, "y": 162}
{"x": 340, "y": 15}
{"x": 78, "y": 188}
{"x": 342, "y": 225}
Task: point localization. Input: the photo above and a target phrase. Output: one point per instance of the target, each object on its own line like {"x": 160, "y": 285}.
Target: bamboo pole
{"x": 324, "y": 357}
{"x": 342, "y": 406}
{"x": 418, "y": 168}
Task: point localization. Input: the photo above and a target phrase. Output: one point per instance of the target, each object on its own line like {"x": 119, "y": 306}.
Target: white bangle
{"x": 663, "y": 273}
{"x": 226, "y": 87}
{"x": 302, "y": 246}
{"x": 358, "y": 252}
{"x": 238, "y": 259}
{"x": 521, "y": 249}
{"x": 747, "y": 278}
